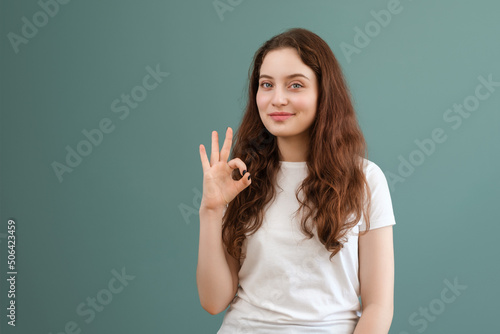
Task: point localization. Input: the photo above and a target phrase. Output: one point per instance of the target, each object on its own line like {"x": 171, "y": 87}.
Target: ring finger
{"x": 215, "y": 148}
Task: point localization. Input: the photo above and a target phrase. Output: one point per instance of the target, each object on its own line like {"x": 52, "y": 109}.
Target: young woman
{"x": 296, "y": 227}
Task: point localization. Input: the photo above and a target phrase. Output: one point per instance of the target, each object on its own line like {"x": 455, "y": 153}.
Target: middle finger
{"x": 226, "y": 148}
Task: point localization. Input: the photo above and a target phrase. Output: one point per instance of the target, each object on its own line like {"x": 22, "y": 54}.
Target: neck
{"x": 293, "y": 149}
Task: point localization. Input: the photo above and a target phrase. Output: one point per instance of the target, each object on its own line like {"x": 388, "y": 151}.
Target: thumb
{"x": 244, "y": 182}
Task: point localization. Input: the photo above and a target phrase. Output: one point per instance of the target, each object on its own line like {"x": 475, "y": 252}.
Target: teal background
{"x": 122, "y": 206}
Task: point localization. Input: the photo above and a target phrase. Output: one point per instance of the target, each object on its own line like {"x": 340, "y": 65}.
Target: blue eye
{"x": 267, "y": 83}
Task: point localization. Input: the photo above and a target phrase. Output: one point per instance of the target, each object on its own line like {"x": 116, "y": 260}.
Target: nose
{"x": 279, "y": 98}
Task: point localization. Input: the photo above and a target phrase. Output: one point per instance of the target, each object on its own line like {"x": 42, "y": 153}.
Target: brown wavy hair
{"x": 335, "y": 185}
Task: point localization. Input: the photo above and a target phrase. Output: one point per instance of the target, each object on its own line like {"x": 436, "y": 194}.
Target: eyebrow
{"x": 287, "y": 77}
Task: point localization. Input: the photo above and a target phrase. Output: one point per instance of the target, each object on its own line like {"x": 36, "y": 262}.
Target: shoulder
{"x": 373, "y": 172}
{"x": 381, "y": 210}
{"x": 376, "y": 178}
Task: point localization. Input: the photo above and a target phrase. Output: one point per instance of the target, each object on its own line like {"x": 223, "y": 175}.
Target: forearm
{"x": 375, "y": 319}
{"x": 213, "y": 275}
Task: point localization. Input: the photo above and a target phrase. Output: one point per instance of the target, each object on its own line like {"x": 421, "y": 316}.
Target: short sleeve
{"x": 381, "y": 211}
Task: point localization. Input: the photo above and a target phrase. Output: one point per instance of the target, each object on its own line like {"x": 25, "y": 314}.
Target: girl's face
{"x": 287, "y": 85}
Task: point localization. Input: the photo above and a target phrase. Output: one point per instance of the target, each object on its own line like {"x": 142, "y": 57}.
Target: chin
{"x": 281, "y": 132}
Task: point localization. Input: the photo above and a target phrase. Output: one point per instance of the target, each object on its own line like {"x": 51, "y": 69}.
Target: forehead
{"x": 280, "y": 63}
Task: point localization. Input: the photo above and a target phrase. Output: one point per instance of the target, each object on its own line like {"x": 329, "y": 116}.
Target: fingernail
{"x": 248, "y": 177}
{"x": 244, "y": 172}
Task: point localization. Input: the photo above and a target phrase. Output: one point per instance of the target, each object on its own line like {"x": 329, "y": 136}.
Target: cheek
{"x": 261, "y": 100}
{"x": 304, "y": 103}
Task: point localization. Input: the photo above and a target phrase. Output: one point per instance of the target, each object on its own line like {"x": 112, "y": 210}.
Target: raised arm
{"x": 217, "y": 271}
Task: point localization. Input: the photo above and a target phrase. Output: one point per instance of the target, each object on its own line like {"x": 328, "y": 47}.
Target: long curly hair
{"x": 335, "y": 185}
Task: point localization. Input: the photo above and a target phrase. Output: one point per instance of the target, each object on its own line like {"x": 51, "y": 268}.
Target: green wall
{"x": 127, "y": 205}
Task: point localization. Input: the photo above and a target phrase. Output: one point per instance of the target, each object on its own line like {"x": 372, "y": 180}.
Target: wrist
{"x": 218, "y": 209}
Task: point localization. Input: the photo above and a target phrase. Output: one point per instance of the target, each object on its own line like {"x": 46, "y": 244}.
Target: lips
{"x": 280, "y": 115}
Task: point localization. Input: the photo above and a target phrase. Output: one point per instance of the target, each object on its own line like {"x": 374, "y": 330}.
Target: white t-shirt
{"x": 287, "y": 283}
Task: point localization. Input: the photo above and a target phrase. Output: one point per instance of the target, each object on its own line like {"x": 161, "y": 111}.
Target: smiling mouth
{"x": 280, "y": 117}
